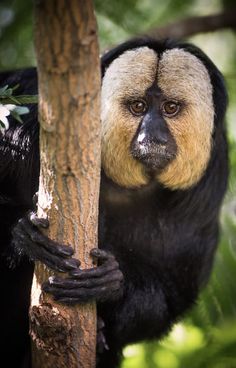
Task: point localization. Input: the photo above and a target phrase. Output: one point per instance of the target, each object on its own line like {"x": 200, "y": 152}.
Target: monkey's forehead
{"x": 176, "y": 71}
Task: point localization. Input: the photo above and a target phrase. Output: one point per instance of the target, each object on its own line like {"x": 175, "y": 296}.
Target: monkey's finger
{"x": 83, "y": 294}
{"x": 56, "y": 264}
{"x": 67, "y": 284}
{"x": 38, "y": 221}
{"x": 37, "y": 253}
{"x": 96, "y": 271}
{"x": 101, "y": 255}
{"x": 38, "y": 238}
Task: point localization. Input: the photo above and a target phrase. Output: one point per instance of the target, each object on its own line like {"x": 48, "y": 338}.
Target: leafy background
{"x": 206, "y": 338}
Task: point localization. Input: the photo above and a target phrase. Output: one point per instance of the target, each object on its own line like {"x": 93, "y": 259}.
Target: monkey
{"x": 164, "y": 174}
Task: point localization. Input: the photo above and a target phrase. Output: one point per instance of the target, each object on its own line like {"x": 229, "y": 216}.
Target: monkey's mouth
{"x": 154, "y": 157}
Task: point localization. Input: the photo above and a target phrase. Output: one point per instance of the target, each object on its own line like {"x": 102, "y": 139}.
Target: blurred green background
{"x": 206, "y": 338}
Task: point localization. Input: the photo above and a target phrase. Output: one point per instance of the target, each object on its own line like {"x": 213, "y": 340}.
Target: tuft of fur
{"x": 127, "y": 78}
{"x": 183, "y": 77}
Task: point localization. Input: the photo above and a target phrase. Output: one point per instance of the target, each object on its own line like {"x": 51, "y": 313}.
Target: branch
{"x": 191, "y": 26}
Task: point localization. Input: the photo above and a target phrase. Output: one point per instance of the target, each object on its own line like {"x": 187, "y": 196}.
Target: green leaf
{"x": 27, "y": 99}
{"x": 8, "y": 92}
{"x": 21, "y": 110}
{"x": 18, "y": 100}
{"x": 3, "y": 89}
{"x": 15, "y": 87}
{"x": 16, "y": 116}
{"x": 6, "y": 96}
{"x": 9, "y": 100}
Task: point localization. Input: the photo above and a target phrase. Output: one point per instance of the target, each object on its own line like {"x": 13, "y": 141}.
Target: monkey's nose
{"x": 144, "y": 138}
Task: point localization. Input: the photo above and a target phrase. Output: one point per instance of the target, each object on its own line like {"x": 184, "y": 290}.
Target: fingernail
{"x": 67, "y": 251}
{"x": 73, "y": 263}
{"x": 76, "y": 273}
{"x": 95, "y": 252}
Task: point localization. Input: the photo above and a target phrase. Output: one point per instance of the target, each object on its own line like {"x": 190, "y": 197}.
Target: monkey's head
{"x": 158, "y": 114}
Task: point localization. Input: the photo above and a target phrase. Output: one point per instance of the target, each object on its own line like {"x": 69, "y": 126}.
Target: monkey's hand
{"x": 104, "y": 282}
{"x": 28, "y": 240}
{"x": 101, "y": 283}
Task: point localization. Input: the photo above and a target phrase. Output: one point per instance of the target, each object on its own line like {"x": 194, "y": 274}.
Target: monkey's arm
{"x": 103, "y": 282}
{"x": 151, "y": 297}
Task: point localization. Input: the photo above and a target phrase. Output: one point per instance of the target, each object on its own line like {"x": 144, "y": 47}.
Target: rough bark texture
{"x": 69, "y": 84}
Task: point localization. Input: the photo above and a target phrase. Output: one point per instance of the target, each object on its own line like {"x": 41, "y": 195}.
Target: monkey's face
{"x": 157, "y": 118}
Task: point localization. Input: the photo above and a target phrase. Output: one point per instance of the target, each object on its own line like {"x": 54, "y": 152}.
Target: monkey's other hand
{"x": 101, "y": 283}
{"x": 29, "y": 240}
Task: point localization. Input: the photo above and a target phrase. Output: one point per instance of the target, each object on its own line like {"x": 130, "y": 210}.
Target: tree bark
{"x": 69, "y": 96}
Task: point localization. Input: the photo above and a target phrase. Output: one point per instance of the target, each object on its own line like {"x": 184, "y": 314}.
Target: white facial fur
{"x": 181, "y": 77}
{"x": 127, "y": 77}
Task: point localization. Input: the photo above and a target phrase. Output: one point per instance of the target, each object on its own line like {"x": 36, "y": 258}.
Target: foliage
{"x": 10, "y": 105}
{"x": 16, "y": 34}
{"x": 207, "y": 336}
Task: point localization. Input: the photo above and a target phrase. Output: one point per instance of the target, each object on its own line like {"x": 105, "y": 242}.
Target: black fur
{"x": 19, "y": 168}
{"x": 164, "y": 240}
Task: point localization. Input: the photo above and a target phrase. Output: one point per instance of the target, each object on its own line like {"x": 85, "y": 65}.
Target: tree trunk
{"x": 69, "y": 95}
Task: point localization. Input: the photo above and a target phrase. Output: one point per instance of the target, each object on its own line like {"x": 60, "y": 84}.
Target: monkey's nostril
{"x": 162, "y": 139}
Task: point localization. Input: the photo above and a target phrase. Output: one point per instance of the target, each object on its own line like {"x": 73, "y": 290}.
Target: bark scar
{"x": 50, "y": 330}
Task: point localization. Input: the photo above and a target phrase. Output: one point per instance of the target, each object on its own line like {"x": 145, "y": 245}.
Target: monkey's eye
{"x": 138, "y": 107}
{"x": 170, "y": 108}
